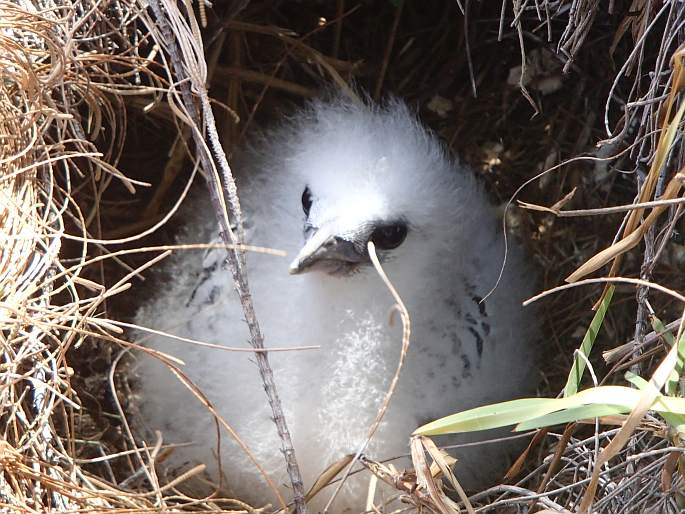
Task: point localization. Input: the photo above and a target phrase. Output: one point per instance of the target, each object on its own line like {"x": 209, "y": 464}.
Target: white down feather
{"x": 363, "y": 165}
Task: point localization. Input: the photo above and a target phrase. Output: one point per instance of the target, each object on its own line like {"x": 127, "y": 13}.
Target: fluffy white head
{"x": 368, "y": 173}
{"x": 392, "y": 166}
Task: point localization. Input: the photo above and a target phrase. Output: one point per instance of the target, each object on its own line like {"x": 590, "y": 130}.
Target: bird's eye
{"x": 306, "y": 200}
{"x": 388, "y": 237}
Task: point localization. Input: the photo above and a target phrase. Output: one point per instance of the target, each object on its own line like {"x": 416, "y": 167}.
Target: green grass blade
{"x": 661, "y": 329}
{"x": 517, "y": 411}
{"x": 671, "y": 385}
{"x": 573, "y": 414}
{"x": 677, "y": 421}
{"x": 590, "y": 403}
{"x": 576, "y": 373}
{"x": 636, "y": 380}
{"x": 680, "y": 363}
{"x": 489, "y": 416}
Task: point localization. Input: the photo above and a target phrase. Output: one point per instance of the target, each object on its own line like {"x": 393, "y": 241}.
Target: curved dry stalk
{"x": 406, "y": 334}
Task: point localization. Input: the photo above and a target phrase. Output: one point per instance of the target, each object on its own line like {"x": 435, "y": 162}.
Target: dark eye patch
{"x": 390, "y": 236}
{"x": 307, "y": 200}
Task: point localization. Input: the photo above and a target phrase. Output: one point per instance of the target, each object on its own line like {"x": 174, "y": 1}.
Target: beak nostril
{"x": 332, "y": 243}
{"x": 328, "y": 251}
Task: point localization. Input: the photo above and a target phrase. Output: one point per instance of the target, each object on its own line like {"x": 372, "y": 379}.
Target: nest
{"x": 65, "y": 71}
{"x": 523, "y": 92}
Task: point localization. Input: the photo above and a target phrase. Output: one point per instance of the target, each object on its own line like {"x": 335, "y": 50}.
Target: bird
{"x": 321, "y": 185}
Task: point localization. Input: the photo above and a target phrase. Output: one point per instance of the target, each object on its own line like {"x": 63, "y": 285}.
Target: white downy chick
{"x": 320, "y": 187}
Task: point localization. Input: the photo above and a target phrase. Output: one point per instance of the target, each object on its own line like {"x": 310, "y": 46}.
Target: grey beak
{"x": 325, "y": 247}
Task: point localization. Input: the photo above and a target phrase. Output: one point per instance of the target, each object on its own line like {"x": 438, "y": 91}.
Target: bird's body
{"x": 358, "y": 173}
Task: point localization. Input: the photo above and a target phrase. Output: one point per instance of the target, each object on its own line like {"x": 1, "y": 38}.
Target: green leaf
{"x": 677, "y": 421}
{"x": 661, "y": 329}
{"x": 636, "y": 380}
{"x": 671, "y": 385}
{"x": 603, "y": 400}
{"x": 489, "y": 416}
{"x": 576, "y": 373}
{"x": 572, "y": 414}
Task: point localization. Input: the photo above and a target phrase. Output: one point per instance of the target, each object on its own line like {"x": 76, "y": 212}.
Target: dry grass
{"x": 80, "y": 80}
{"x": 66, "y": 72}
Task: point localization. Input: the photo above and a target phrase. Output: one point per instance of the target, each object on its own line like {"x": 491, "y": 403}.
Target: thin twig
{"x": 221, "y": 190}
{"x": 406, "y": 334}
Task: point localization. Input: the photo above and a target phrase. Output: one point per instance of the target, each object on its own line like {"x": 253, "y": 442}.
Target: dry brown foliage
{"x": 73, "y": 239}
